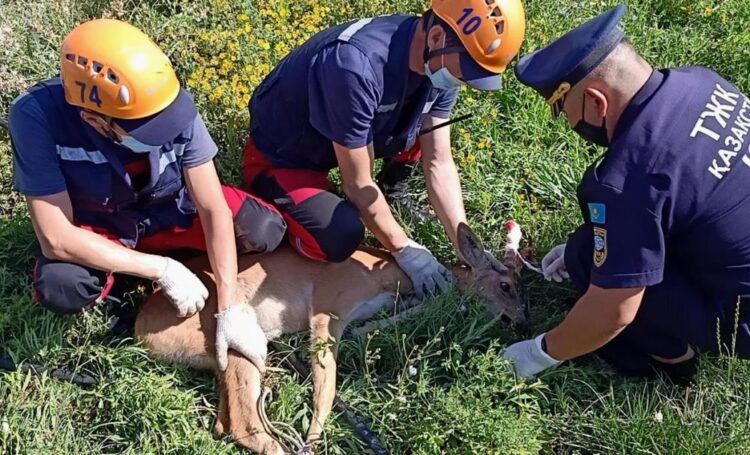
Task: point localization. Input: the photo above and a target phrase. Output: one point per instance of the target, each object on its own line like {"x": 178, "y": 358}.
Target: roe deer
{"x": 291, "y": 294}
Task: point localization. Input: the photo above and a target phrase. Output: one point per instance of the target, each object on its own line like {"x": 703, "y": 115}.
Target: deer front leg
{"x": 326, "y": 333}
{"x": 239, "y": 391}
{"x": 190, "y": 341}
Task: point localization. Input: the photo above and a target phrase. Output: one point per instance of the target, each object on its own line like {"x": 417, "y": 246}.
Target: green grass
{"x": 514, "y": 162}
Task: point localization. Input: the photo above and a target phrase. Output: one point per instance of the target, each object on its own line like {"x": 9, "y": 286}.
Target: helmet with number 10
{"x": 491, "y": 31}
{"x": 113, "y": 68}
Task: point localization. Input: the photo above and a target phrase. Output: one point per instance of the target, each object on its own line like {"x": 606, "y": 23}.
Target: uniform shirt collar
{"x": 638, "y": 103}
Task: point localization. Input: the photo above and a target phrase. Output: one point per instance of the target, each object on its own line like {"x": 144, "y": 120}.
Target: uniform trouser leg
{"x": 258, "y": 227}
{"x": 66, "y": 288}
{"x": 321, "y": 225}
{"x": 674, "y": 314}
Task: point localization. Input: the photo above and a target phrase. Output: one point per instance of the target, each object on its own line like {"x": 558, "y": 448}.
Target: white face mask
{"x": 442, "y": 78}
{"x": 135, "y": 145}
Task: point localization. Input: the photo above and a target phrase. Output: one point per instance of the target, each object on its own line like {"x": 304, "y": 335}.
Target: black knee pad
{"x": 66, "y": 288}
{"x": 345, "y": 232}
{"x": 258, "y": 229}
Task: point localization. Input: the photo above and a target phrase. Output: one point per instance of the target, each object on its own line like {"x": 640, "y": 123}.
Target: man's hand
{"x": 237, "y": 328}
{"x": 553, "y": 264}
{"x": 528, "y": 357}
{"x": 186, "y": 292}
{"x": 425, "y": 272}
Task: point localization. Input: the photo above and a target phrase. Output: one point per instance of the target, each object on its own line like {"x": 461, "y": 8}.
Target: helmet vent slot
{"x": 70, "y": 57}
{"x": 82, "y": 61}
{"x": 500, "y": 27}
{"x": 496, "y": 13}
{"x": 112, "y": 77}
{"x": 97, "y": 67}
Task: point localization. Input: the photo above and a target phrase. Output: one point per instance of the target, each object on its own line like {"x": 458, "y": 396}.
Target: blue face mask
{"x": 441, "y": 79}
{"x": 135, "y": 145}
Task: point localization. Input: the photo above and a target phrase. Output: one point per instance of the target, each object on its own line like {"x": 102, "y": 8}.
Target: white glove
{"x": 237, "y": 328}
{"x": 186, "y": 292}
{"x": 425, "y": 272}
{"x": 553, "y": 264}
{"x": 528, "y": 357}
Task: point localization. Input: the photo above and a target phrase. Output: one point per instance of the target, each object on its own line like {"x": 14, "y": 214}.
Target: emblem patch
{"x": 600, "y": 246}
{"x": 598, "y": 213}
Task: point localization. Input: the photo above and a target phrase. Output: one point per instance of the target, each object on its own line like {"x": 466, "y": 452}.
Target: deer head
{"x": 495, "y": 281}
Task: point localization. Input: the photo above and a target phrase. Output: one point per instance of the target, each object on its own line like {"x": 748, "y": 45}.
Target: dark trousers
{"x": 674, "y": 314}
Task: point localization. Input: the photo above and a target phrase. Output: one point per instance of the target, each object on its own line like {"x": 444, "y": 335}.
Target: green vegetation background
{"x": 515, "y": 162}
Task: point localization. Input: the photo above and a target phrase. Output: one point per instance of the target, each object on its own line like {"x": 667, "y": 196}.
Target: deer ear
{"x": 471, "y": 248}
{"x": 513, "y": 261}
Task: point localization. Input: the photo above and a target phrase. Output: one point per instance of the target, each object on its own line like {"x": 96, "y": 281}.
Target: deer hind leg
{"x": 190, "y": 341}
{"x": 326, "y": 333}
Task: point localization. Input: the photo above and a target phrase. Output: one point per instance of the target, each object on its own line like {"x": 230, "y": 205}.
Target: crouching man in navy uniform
{"x": 364, "y": 90}
{"x": 116, "y": 166}
{"x": 664, "y": 253}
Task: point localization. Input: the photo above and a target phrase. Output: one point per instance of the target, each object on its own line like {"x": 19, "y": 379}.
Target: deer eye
{"x": 505, "y": 287}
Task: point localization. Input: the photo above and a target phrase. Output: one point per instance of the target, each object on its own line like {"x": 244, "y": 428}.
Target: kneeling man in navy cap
{"x": 663, "y": 257}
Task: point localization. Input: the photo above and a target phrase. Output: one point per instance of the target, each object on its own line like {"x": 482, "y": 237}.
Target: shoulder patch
{"x": 600, "y": 246}
{"x": 598, "y": 213}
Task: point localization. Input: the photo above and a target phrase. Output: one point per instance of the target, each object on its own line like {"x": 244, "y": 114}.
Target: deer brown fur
{"x": 291, "y": 294}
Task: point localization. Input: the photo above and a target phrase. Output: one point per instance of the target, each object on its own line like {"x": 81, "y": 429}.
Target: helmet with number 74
{"x": 491, "y": 31}
{"x": 113, "y": 68}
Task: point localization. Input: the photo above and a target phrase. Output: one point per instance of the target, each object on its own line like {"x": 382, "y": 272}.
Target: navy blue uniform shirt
{"x": 674, "y": 187}
{"x": 350, "y": 84}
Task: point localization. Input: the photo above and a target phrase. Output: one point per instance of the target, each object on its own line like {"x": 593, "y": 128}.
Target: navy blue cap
{"x": 573, "y": 56}
{"x": 476, "y": 76}
{"x": 164, "y": 126}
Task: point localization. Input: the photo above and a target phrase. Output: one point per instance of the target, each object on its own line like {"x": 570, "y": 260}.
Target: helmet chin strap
{"x": 427, "y": 53}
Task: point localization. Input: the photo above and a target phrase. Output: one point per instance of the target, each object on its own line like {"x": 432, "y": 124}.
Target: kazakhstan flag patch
{"x": 598, "y": 213}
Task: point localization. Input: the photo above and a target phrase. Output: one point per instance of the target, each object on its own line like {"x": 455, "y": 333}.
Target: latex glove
{"x": 528, "y": 357}
{"x": 186, "y": 292}
{"x": 553, "y": 264}
{"x": 237, "y": 328}
{"x": 425, "y": 272}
